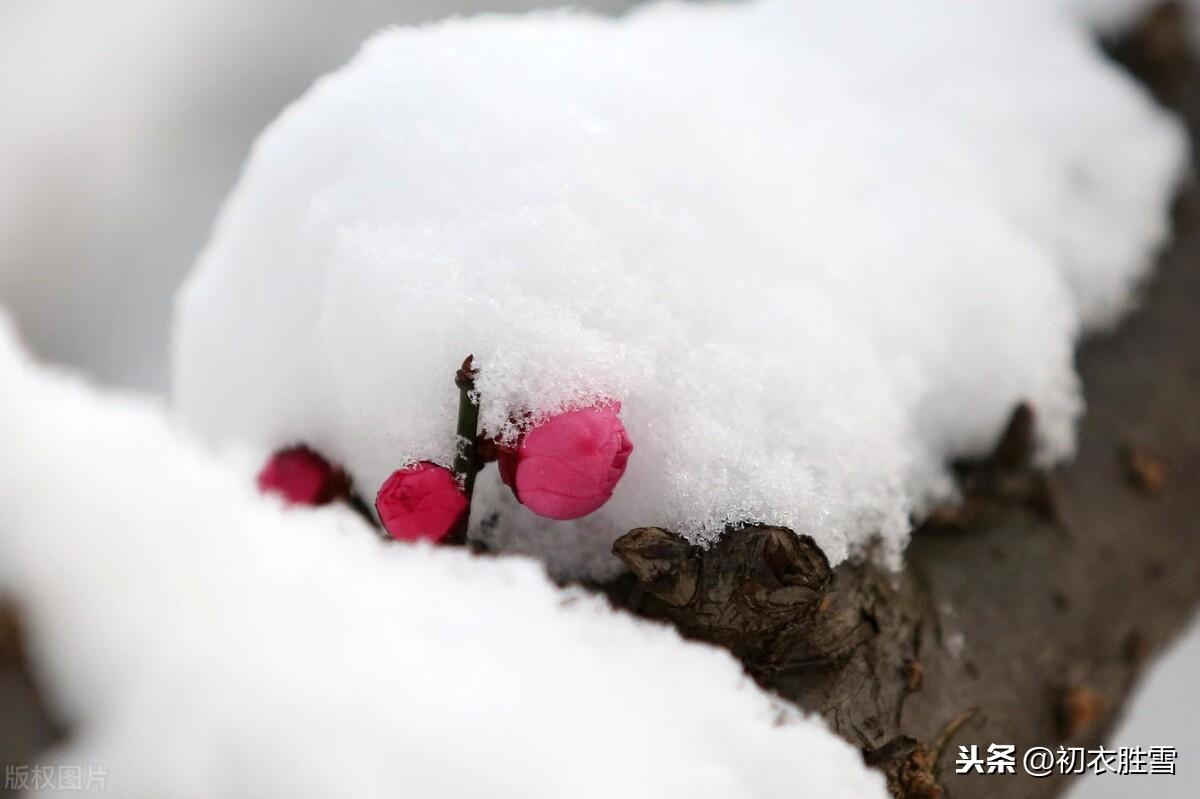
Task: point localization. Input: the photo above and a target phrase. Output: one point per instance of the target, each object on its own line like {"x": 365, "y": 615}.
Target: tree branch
{"x": 1023, "y": 616}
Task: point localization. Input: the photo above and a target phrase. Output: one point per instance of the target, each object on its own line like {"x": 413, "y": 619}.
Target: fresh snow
{"x": 202, "y": 641}
{"x": 816, "y": 250}
{"x": 122, "y": 127}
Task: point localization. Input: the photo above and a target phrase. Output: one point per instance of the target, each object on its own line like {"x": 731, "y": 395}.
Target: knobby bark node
{"x": 763, "y": 593}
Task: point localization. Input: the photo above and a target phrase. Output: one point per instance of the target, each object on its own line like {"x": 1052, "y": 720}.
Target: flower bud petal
{"x": 302, "y": 477}
{"x": 422, "y": 501}
{"x": 568, "y": 465}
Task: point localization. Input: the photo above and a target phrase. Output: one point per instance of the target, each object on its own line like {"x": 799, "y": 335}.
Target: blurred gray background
{"x": 122, "y": 126}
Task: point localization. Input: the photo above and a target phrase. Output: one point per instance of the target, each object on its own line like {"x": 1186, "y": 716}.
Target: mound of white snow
{"x": 201, "y": 641}
{"x": 124, "y": 124}
{"x": 816, "y": 249}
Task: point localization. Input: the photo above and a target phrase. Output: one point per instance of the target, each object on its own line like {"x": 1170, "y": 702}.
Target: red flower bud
{"x": 422, "y": 501}
{"x": 568, "y": 466}
{"x": 302, "y": 477}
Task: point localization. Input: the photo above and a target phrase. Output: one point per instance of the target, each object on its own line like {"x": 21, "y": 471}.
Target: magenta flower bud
{"x": 568, "y": 465}
{"x": 302, "y": 477}
{"x": 422, "y": 501}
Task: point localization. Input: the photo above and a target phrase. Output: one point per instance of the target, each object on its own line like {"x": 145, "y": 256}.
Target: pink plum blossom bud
{"x": 302, "y": 477}
{"x": 568, "y": 465}
{"x": 422, "y": 501}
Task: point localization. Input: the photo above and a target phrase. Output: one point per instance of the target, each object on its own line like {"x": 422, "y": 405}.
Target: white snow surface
{"x": 816, "y": 249}
{"x": 122, "y": 127}
{"x": 203, "y": 641}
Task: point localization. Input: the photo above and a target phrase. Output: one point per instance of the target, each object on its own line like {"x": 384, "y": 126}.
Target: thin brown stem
{"x": 466, "y": 459}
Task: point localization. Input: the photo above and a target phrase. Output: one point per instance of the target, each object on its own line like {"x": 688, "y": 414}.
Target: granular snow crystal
{"x": 815, "y": 249}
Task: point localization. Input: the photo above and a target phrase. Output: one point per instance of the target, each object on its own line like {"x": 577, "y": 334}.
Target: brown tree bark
{"x": 1025, "y": 615}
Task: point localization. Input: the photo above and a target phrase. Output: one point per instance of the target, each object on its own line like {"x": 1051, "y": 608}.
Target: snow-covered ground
{"x": 202, "y": 641}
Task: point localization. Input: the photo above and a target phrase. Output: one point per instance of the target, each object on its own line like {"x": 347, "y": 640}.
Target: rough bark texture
{"x": 1021, "y": 617}
{"x": 25, "y": 726}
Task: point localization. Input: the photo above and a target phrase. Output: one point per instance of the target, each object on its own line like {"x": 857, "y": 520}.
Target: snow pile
{"x": 814, "y": 248}
{"x": 124, "y": 124}
{"x": 204, "y": 642}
